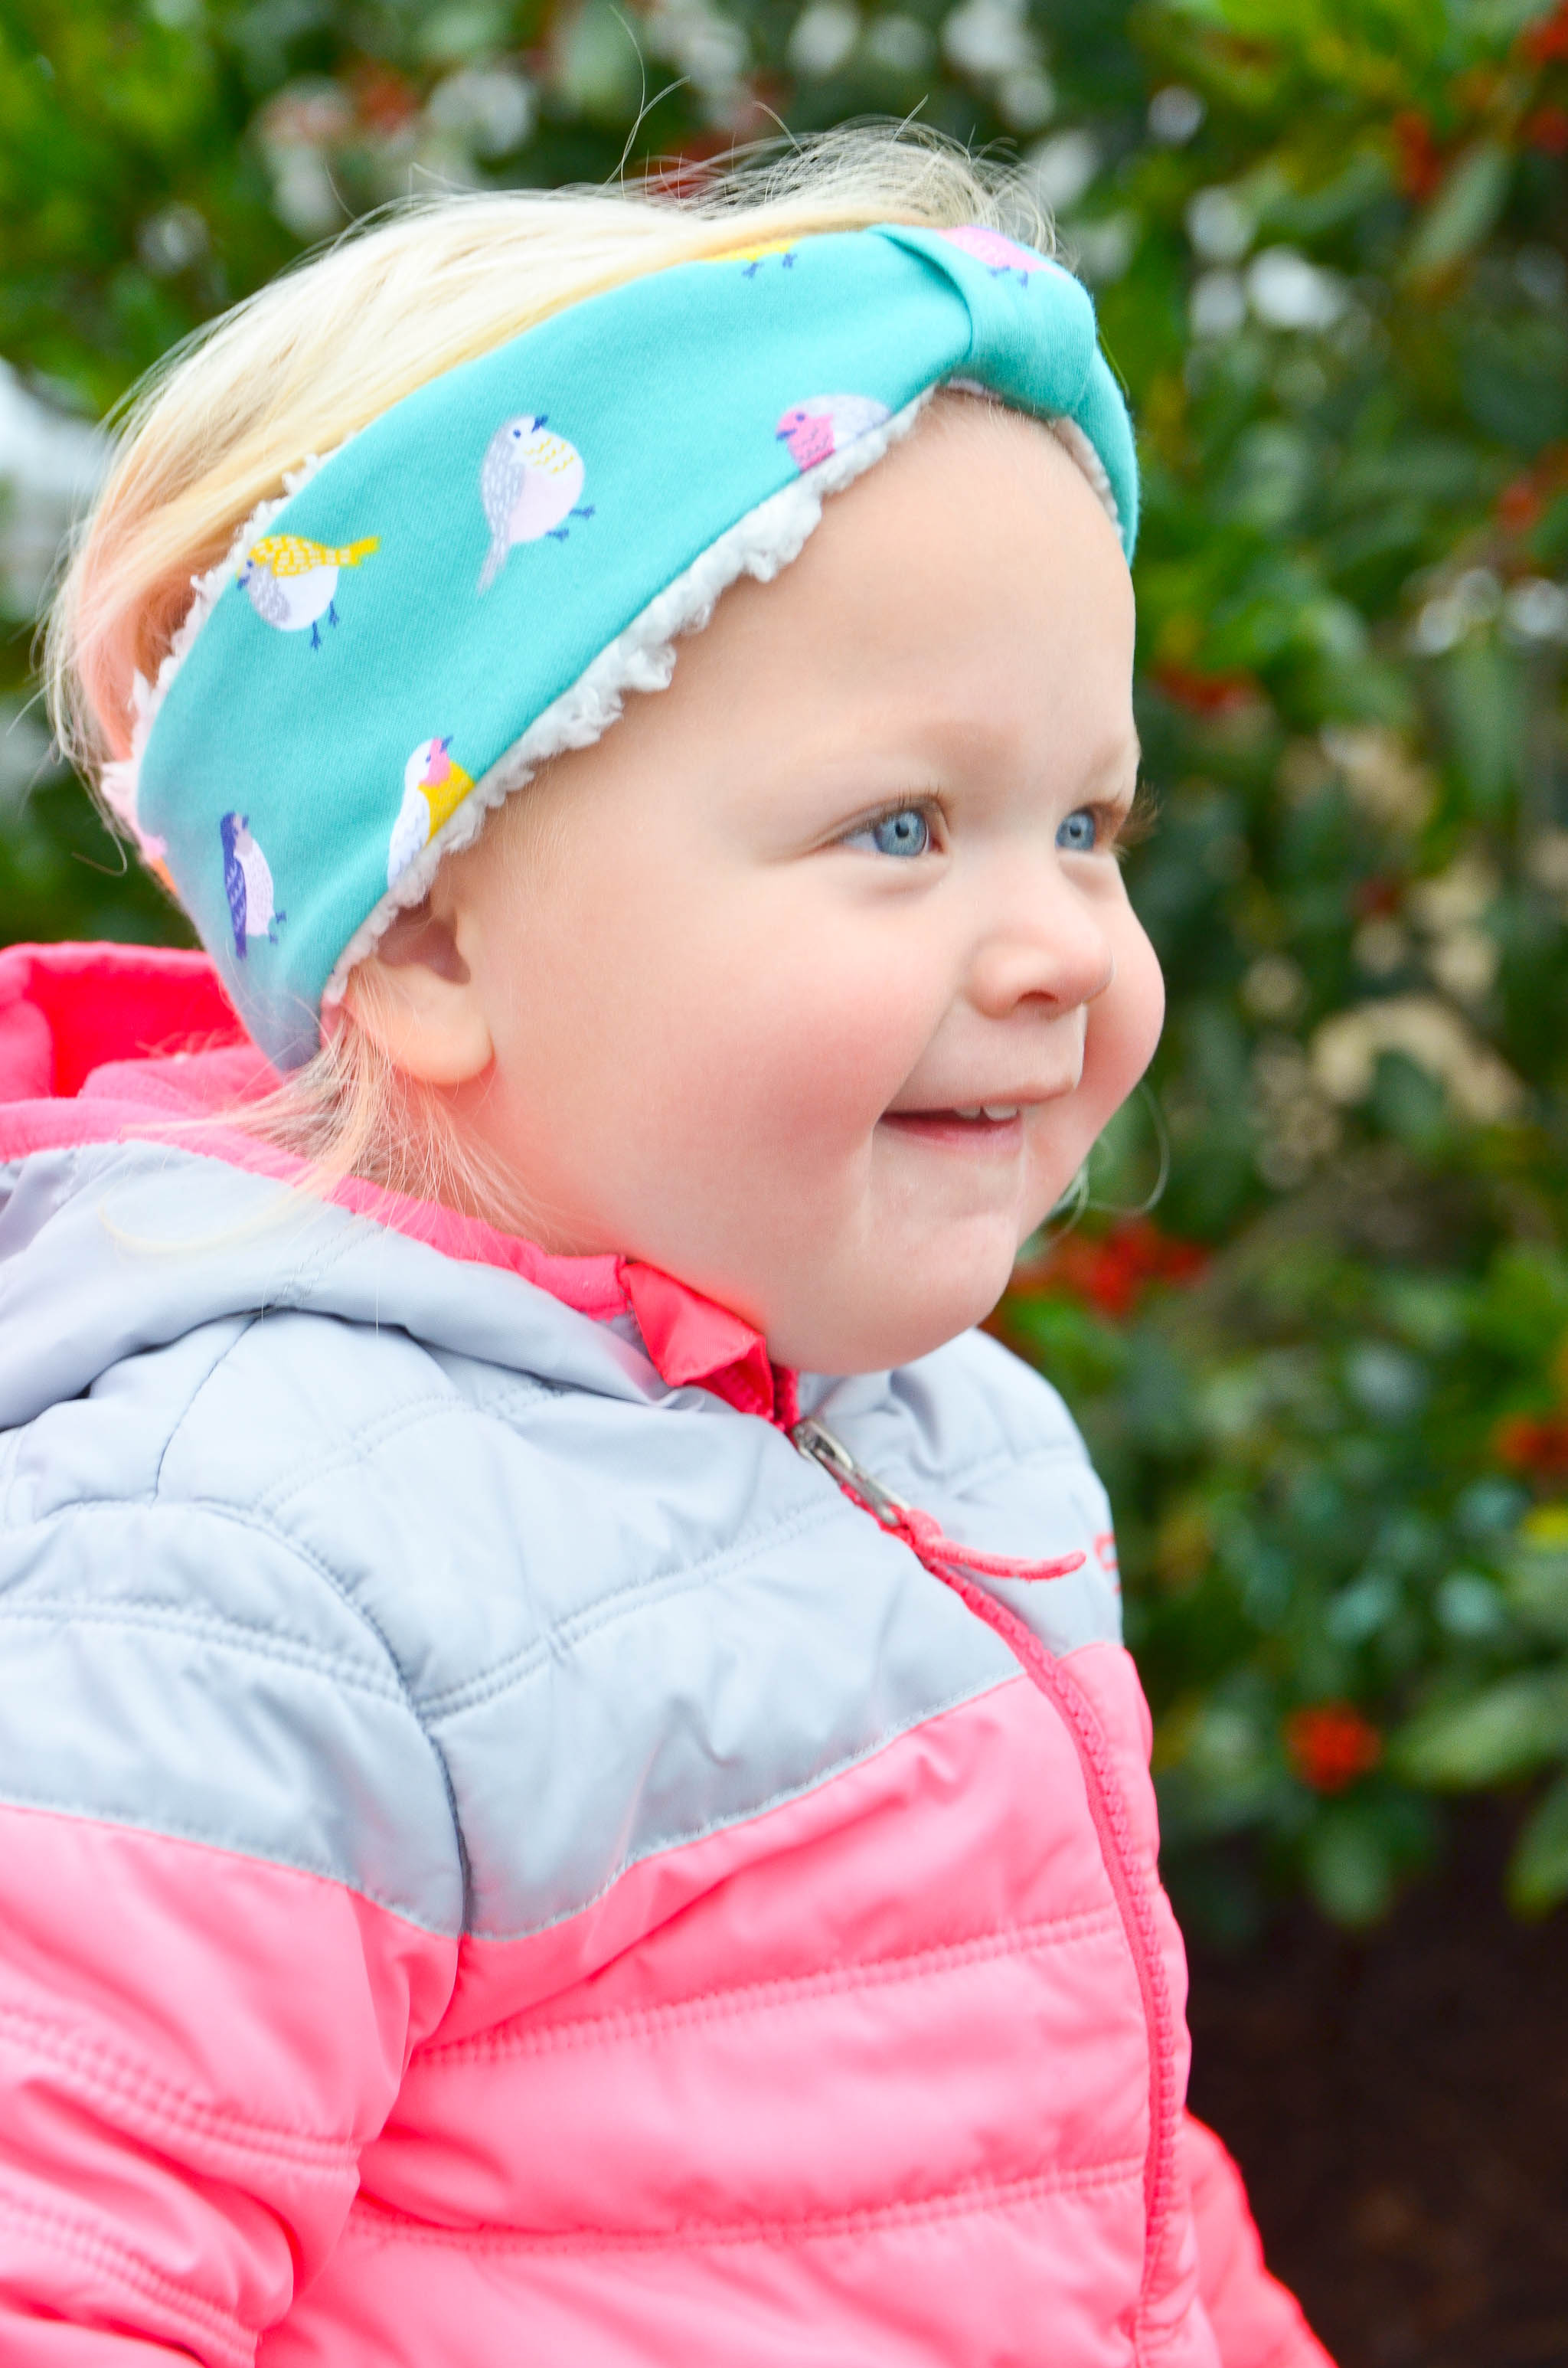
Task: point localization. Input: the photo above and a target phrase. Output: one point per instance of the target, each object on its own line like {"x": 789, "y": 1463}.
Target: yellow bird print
{"x": 293, "y": 582}
{"x": 434, "y": 786}
{"x": 753, "y": 258}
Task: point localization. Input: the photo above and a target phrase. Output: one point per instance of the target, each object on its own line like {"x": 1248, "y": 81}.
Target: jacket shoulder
{"x": 180, "y": 1654}
{"x": 1029, "y": 1413}
{"x": 949, "y": 1420}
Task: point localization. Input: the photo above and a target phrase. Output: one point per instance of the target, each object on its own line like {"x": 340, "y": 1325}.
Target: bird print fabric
{"x": 1000, "y": 255}
{"x": 293, "y": 582}
{"x": 814, "y": 431}
{"x": 434, "y": 786}
{"x": 682, "y": 402}
{"x": 247, "y": 882}
{"x": 752, "y": 259}
{"x": 530, "y": 485}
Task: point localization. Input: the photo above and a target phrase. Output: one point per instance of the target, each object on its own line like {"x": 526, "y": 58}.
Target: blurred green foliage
{"x": 1329, "y": 243}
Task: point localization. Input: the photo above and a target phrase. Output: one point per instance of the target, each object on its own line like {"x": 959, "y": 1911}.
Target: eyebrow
{"x": 1127, "y": 754}
{"x": 1118, "y": 765}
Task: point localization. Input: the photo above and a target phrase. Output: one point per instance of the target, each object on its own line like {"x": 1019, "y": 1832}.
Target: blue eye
{"x": 1080, "y": 833}
{"x": 905, "y": 833}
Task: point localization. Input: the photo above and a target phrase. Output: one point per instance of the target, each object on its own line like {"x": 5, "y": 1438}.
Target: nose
{"x": 1043, "y": 939}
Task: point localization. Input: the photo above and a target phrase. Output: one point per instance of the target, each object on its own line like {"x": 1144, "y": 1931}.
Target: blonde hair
{"x": 330, "y": 345}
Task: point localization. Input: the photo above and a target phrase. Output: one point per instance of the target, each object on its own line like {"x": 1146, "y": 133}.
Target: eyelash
{"x": 1140, "y": 820}
{"x": 1125, "y": 830}
{"x": 935, "y": 819}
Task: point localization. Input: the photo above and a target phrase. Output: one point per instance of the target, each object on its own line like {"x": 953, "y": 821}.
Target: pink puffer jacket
{"x": 502, "y": 1859}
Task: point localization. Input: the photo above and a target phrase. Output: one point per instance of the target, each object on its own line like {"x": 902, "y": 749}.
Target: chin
{"x": 893, "y": 1327}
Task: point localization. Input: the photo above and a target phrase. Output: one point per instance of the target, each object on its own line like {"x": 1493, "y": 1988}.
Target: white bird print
{"x": 293, "y": 582}
{"x": 529, "y": 484}
{"x": 247, "y": 883}
{"x": 433, "y": 789}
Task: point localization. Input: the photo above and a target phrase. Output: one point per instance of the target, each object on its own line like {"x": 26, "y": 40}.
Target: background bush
{"x": 1328, "y": 1378}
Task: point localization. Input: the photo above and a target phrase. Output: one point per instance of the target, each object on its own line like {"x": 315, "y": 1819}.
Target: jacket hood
{"x": 131, "y": 1211}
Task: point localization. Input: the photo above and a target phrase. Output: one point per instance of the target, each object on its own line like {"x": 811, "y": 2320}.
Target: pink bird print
{"x": 814, "y": 431}
{"x": 999, "y": 254}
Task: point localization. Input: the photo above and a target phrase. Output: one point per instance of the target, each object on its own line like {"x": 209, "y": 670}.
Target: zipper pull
{"x": 815, "y": 1439}
{"x": 917, "y": 1529}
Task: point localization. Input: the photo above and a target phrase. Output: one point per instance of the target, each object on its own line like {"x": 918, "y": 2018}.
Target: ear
{"x": 416, "y": 996}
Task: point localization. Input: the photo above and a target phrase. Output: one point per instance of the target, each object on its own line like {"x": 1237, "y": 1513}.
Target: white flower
{"x": 703, "y": 44}
{"x": 1026, "y": 99}
{"x": 1060, "y": 169}
{"x": 1220, "y": 226}
{"x": 824, "y": 37}
{"x": 1175, "y": 114}
{"x": 989, "y": 37}
{"x": 1454, "y": 898}
{"x": 490, "y": 107}
{"x": 303, "y": 195}
{"x": 1381, "y": 776}
{"x": 1218, "y": 304}
{"x": 1537, "y": 609}
{"x": 1465, "y": 963}
{"x": 1274, "y": 987}
{"x": 1286, "y": 291}
{"x": 1547, "y": 858}
{"x": 171, "y": 239}
{"x": 1433, "y": 1035}
{"x": 1102, "y": 250}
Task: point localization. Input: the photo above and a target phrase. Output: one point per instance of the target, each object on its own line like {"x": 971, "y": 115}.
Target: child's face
{"x": 742, "y": 964}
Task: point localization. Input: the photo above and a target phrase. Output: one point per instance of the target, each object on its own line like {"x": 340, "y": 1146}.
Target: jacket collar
{"x": 102, "y": 1041}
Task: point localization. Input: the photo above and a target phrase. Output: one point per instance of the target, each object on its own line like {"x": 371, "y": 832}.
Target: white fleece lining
{"x": 1068, "y": 434}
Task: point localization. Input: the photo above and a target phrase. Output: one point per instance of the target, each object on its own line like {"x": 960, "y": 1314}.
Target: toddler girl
{"x": 569, "y": 1790}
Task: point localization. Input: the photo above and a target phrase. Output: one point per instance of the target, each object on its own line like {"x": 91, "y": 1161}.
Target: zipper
{"x": 900, "y": 1520}
{"x": 815, "y": 1439}
{"x": 957, "y": 1566}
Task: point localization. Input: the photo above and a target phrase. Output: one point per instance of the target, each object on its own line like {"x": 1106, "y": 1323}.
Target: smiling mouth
{"x": 993, "y": 1126}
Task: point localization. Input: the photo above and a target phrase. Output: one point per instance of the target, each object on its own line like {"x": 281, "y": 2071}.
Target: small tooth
{"x": 975, "y": 1112}
{"x": 1000, "y": 1109}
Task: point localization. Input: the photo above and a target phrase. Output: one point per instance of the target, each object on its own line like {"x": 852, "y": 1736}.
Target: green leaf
{"x": 1351, "y": 1869}
{"x": 1537, "y": 1878}
{"x": 1537, "y": 1589}
{"x": 1505, "y": 1730}
{"x": 599, "y": 67}
{"x": 1483, "y": 698}
{"x": 1463, "y": 212}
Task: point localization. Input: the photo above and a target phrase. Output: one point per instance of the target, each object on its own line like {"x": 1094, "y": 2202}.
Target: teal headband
{"x": 473, "y": 581}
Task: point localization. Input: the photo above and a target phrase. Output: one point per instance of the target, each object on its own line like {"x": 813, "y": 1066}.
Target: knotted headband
{"x": 472, "y": 583}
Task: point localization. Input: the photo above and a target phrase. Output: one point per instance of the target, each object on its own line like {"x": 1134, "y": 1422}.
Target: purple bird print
{"x": 247, "y": 882}
{"x": 528, "y": 485}
{"x": 814, "y": 431}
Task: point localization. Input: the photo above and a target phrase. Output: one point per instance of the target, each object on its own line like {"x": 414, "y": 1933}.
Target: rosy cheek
{"x": 1124, "y": 1026}
{"x": 824, "y": 1090}
{"x": 816, "y": 1056}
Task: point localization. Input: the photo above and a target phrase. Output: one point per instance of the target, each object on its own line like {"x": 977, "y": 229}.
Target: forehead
{"x": 976, "y": 554}
{"x": 963, "y": 612}
{"x": 1011, "y": 471}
